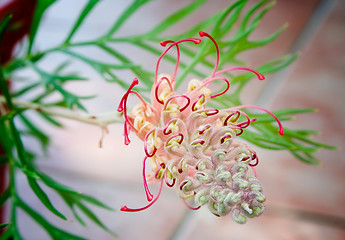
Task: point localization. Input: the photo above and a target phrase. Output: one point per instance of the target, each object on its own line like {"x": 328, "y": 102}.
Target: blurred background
{"x": 303, "y": 201}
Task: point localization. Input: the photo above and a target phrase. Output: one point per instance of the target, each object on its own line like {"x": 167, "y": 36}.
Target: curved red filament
{"x": 174, "y": 136}
{"x": 230, "y": 115}
{"x": 259, "y": 75}
{"x": 281, "y": 130}
{"x": 145, "y": 144}
{"x": 226, "y": 89}
{"x": 246, "y": 123}
{"x": 210, "y": 111}
{"x": 166, "y": 180}
{"x": 208, "y": 126}
{"x": 199, "y": 98}
{"x": 178, "y": 96}
{"x": 183, "y": 184}
{"x": 241, "y": 131}
{"x": 172, "y": 121}
{"x": 149, "y": 196}
{"x": 161, "y": 166}
{"x": 163, "y": 44}
{"x": 157, "y": 87}
{"x": 203, "y": 34}
{"x": 194, "y": 40}
{"x": 124, "y": 98}
{"x": 126, "y": 209}
{"x": 126, "y": 132}
{"x": 254, "y": 157}
{"x": 227, "y": 136}
{"x": 240, "y": 125}
{"x": 200, "y": 141}
{"x": 123, "y": 107}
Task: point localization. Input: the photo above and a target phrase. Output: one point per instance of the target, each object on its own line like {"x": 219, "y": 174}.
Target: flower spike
{"x": 193, "y": 147}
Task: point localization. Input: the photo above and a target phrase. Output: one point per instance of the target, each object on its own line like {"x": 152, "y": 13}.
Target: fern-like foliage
{"x": 219, "y": 25}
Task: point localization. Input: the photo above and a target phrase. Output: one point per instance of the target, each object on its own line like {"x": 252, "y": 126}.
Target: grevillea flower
{"x": 194, "y": 147}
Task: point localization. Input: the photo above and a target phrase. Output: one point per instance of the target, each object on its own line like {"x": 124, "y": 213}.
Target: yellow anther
{"x": 153, "y": 141}
{"x": 199, "y": 104}
{"x": 195, "y": 83}
{"x": 164, "y": 94}
{"x": 173, "y": 127}
{"x": 139, "y": 121}
{"x": 173, "y": 109}
{"x": 156, "y": 161}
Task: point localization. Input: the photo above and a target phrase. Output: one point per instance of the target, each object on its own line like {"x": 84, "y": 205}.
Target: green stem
{"x": 13, "y": 191}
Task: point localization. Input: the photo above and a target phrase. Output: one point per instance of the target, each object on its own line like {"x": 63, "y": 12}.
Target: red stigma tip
{"x": 281, "y": 132}
{"x": 149, "y": 197}
{"x": 127, "y": 141}
{"x": 120, "y": 108}
{"x": 197, "y": 41}
{"x": 202, "y": 34}
{"x": 124, "y": 208}
{"x": 164, "y": 43}
{"x": 261, "y": 77}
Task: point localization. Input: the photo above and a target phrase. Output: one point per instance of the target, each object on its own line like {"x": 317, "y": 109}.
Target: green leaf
{"x": 43, "y": 197}
{"x": 221, "y": 28}
{"x": 306, "y": 157}
{"x": 4, "y": 196}
{"x": 144, "y": 76}
{"x": 265, "y": 41}
{"x": 4, "y": 89}
{"x": 277, "y": 64}
{"x": 55, "y": 233}
{"x": 8, "y": 234}
{"x": 75, "y": 201}
{"x": 81, "y": 18}
{"x": 7, "y": 116}
{"x": 93, "y": 217}
{"x": 3, "y": 225}
{"x": 250, "y": 13}
{"x": 50, "y": 119}
{"x": 18, "y": 144}
{"x": 175, "y": 18}
{"x": 26, "y": 89}
{"x": 125, "y": 15}
{"x": 193, "y": 31}
{"x": 41, "y": 7}
{"x": 55, "y": 185}
{"x": 35, "y": 131}
{"x": 94, "y": 201}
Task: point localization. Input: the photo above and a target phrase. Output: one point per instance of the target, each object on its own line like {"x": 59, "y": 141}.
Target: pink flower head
{"x": 194, "y": 147}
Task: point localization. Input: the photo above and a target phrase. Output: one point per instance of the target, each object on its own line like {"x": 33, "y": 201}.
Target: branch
{"x": 101, "y": 120}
